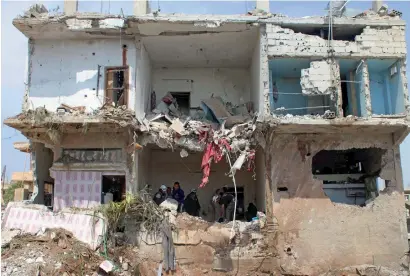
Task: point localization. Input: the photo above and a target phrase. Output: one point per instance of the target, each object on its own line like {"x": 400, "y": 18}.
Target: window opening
{"x": 349, "y": 176}
{"x": 183, "y": 100}
{"x": 116, "y": 90}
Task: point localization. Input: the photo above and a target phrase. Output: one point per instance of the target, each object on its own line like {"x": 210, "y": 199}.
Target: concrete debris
{"x": 183, "y": 153}
{"x": 169, "y": 204}
{"x": 66, "y": 108}
{"x": 177, "y": 126}
{"x": 260, "y": 12}
{"x": 7, "y": 236}
{"x": 36, "y": 10}
{"x": 383, "y": 11}
{"x": 368, "y": 270}
{"x": 107, "y": 266}
{"x": 329, "y": 115}
{"x": 337, "y": 8}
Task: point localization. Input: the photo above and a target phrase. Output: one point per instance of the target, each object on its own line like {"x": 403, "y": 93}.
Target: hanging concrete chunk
{"x": 322, "y": 77}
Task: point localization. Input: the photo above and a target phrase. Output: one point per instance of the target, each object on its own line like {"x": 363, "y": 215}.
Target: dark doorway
{"x": 114, "y": 184}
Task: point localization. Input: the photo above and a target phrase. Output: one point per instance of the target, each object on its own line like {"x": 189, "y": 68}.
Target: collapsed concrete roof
{"x": 46, "y": 25}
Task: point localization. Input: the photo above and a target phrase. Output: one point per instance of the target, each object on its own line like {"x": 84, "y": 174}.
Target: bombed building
{"x": 302, "y": 117}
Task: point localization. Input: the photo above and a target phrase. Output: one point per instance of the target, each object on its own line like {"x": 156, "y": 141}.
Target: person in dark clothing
{"x": 191, "y": 204}
{"x": 161, "y": 195}
{"x": 169, "y": 192}
{"x": 227, "y": 203}
{"x": 178, "y": 195}
{"x": 251, "y": 212}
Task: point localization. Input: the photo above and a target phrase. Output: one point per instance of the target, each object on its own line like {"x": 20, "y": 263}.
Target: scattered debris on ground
{"x": 57, "y": 252}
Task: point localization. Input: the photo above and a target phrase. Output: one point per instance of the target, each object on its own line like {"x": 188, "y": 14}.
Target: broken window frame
{"x": 124, "y": 97}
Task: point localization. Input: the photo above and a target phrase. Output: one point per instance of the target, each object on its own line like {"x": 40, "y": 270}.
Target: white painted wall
{"x": 143, "y": 84}
{"x": 260, "y": 180}
{"x": 166, "y": 167}
{"x": 232, "y": 84}
{"x": 255, "y": 76}
{"x": 65, "y": 71}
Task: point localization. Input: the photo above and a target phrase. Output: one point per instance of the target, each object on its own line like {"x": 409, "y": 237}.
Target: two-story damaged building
{"x": 309, "y": 112}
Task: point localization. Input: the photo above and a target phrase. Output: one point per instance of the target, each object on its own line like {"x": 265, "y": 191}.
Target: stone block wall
{"x": 373, "y": 42}
{"x": 320, "y": 78}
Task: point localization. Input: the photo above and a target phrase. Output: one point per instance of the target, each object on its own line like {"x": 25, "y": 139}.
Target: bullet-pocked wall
{"x": 315, "y": 233}
{"x": 66, "y": 71}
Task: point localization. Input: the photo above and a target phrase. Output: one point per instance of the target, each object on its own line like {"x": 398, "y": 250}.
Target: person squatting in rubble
{"x": 227, "y": 203}
{"x": 178, "y": 195}
{"x": 251, "y": 212}
{"x": 191, "y": 204}
{"x": 161, "y": 195}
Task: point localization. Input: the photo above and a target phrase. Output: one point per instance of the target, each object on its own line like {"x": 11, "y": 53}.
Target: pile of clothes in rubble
{"x": 217, "y": 127}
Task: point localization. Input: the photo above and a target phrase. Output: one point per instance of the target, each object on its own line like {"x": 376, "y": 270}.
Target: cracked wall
{"x": 316, "y": 235}
{"x": 66, "y": 71}
{"x": 373, "y": 42}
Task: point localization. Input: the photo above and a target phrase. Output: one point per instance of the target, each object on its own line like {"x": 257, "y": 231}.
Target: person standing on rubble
{"x": 227, "y": 203}
{"x": 178, "y": 195}
{"x": 161, "y": 195}
{"x": 215, "y": 207}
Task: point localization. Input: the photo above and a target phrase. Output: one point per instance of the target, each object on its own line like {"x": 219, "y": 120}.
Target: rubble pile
{"x": 57, "y": 252}
{"x": 219, "y": 128}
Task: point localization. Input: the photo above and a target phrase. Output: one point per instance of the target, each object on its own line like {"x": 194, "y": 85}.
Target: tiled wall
{"x": 80, "y": 189}
{"x": 34, "y": 218}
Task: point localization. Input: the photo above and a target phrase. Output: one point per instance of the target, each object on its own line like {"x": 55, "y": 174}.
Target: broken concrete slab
{"x": 177, "y": 126}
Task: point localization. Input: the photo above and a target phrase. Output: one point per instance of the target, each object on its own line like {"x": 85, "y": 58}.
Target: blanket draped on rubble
{"x": 213, "y": 152}
{"x": 168, "y": 246}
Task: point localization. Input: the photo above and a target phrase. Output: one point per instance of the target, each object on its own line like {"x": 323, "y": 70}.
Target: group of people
{"x": 222, "y": 203}
{"x": 189, "y": 204}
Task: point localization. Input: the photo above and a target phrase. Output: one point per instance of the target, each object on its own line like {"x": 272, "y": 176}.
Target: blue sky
{"x": 14, "y": 51}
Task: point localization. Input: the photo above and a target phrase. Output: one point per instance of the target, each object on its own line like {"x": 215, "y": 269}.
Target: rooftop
{"x": 46, "y": 26}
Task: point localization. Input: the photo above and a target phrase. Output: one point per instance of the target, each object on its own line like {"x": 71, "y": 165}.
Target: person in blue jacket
{"x": 178, "y": 195}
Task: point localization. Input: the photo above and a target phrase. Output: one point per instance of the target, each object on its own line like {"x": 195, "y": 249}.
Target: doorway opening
{"x": 113, "y": 188}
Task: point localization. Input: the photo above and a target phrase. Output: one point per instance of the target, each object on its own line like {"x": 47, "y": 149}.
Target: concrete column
{"x": 262, "y": 5}
{"x": 265, "y": 108}
{"x": 141, "y": 7}
{"x": 339, "y": 97}
{"x": 376, "y": 5}
{"x": 366, "y": 89}
{"x": 70, "y": 6}
{"x": 404, "y": 86}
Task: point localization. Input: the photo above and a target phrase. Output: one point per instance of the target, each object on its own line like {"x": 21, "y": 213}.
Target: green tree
{"x": 9, "y": 192}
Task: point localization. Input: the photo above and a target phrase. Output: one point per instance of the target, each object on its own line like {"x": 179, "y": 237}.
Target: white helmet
{"x": 163, "y": 187}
